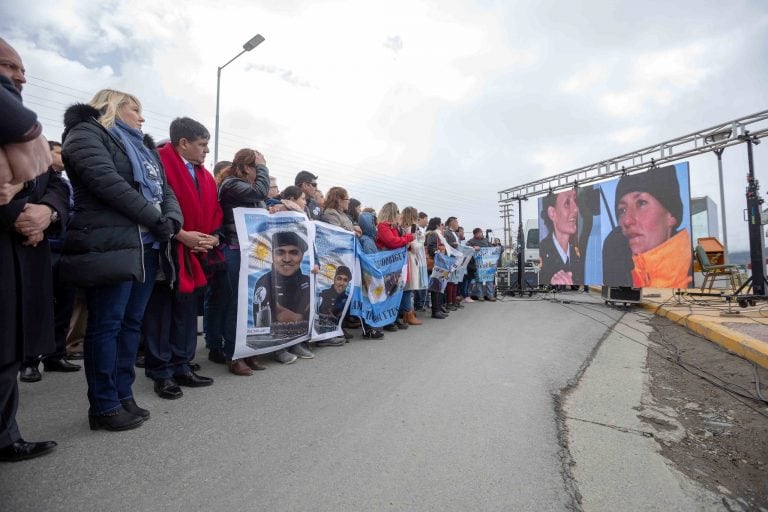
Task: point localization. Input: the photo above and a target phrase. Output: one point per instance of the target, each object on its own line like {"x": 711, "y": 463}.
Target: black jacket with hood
{"x": 103, "y": 243}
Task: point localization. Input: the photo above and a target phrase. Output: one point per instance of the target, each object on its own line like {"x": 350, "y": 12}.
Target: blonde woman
{"x": 390, "y": 236}
{"x": 126, "y": 214}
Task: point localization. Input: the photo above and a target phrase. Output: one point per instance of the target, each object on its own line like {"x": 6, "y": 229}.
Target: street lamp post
{"x": 250, "y": 45}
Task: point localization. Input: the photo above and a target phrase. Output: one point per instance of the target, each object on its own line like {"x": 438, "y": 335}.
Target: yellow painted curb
{"x": 745, "y": 346}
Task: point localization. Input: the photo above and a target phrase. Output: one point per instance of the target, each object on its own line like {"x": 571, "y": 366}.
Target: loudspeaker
{"x": 530, "y": 278}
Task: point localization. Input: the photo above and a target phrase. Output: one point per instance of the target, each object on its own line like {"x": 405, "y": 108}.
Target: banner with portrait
{"x": 629, "y": 231}
{"x": 377, "y": 295}
{"x": 465, "y": 255}
{"x": 276, "y": 299}
{"x": 335, "y": 252}
{"x": 486, "y": 259}
{"x": 441, "y": 272}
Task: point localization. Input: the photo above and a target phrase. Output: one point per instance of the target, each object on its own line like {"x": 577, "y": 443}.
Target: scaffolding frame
{"x": 708, "y": 140}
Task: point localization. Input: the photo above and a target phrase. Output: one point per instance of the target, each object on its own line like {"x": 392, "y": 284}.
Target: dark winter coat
{"x": 26, "y": 294}
{"x": 238, "y": 193}
{"x": 103, "y": 242}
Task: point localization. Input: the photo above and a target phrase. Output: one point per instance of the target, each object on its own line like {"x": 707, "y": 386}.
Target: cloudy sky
{"x": 438, "y": 105}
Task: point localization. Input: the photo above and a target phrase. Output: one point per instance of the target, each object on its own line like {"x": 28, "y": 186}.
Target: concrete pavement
{"x": 454, "y": 415}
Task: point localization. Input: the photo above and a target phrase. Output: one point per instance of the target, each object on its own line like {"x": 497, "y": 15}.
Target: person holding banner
{"x": 452, "y": 288}
{"x": 561, "y": 262}
{"x": 434, "y": 244}
{"x": 649, "y": 210}
{"x": 244, "y": 184}
{"x": 390, "y": 236}
{"x": 479, "y": 241}
{"x": 367, "y": 245}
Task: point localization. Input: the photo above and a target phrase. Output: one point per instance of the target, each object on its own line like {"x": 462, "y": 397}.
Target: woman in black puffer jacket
{"x": 125, "y": 213}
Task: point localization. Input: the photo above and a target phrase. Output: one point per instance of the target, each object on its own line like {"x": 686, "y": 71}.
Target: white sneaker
{"x": 468, "y": 299}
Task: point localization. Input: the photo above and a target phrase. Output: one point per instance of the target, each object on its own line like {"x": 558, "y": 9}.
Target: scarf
{"x": 143, "y": 163}
{"x": 201, "y": 211}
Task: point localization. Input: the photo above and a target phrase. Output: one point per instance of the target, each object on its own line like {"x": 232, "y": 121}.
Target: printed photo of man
{"x": 333, "y": 299}
{"x": 284, "y": 290}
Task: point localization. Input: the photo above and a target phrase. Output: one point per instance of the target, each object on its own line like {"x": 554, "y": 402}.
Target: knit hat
{"x": 282, "y": 238}
{"x": 660, "y": 183}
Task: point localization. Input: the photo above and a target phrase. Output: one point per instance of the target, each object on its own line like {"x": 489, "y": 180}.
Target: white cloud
{"x": 585, "y": 79}
{"x": 436, "y": 104}
{"x": 658, "y": 78}
{"x": 633, "y": 134}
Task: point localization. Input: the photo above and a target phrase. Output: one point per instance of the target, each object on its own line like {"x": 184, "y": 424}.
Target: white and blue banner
{"x": 275, "y": 290}
{"x": 336, "y": 275}
{"x": 441, "y": 272}
{"x": 486, "y": 259}
{"x": 382, "y": 278}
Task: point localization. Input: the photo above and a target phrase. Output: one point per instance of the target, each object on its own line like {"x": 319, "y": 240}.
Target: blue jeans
{"x": 405, "y": 302}
{"x": 115, "y": 313}
{"x": 419, "y": 298}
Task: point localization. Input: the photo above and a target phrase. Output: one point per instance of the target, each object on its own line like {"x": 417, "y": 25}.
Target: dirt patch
{"x": 721, "y": 434}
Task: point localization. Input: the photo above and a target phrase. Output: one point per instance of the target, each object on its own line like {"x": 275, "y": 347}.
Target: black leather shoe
{"x": 439, "y": 316}
{"x": 74, "y": 356}
{"x": 373, "y": 334}
{"x": 29, "y": 374}
{"x": 120, "y": 420}
{"x": 216, "y": 355}
{"x": 130, "y": 406}
{"x": 22, "y": 450}
{"x": 193, "y": 366}
{"x": 59, "y": 365}
{"x": 401, "y": 325}
{"x": 141, "y": 361}
{"x": 390, "y": 328}
{"x": 168, "y": 389}
{"x": 193, "y": 380}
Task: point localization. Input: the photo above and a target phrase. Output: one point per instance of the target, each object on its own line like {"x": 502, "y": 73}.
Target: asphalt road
{"x": 457, "y": 414}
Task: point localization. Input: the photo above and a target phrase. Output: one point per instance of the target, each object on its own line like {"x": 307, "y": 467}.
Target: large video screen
{"x": 631, "y": 231}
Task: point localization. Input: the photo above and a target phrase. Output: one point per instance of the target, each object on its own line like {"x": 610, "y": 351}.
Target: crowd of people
{"x": 112, "y": 247}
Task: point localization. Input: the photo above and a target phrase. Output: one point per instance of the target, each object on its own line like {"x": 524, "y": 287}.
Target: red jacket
{"x": 388, "y": 237}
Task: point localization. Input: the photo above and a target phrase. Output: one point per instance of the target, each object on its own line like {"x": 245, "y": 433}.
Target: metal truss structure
{"x": 714, "y": 138}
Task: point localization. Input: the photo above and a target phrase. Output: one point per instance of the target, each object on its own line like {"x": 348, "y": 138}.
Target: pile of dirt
{"x": 718, "y": 421}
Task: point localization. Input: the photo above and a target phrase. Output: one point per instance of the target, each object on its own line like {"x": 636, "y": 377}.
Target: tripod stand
{"x": 757, "y": 281}
{"x": 521, "y": 282}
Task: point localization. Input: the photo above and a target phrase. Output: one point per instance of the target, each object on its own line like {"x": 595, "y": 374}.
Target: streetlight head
{"x": 718, "y": 136}
{"x": 253, "y": 42}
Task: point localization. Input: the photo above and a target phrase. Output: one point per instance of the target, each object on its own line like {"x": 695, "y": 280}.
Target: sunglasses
{"x": 312, "y": 184}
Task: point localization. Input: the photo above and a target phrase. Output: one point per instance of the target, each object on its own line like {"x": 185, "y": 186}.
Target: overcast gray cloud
{"x": 434, "y": 104}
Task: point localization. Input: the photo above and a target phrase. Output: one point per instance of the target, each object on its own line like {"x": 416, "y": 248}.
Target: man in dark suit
{"x": 26, "y": 297}
{"x": 561, "y": 262}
